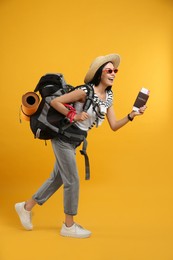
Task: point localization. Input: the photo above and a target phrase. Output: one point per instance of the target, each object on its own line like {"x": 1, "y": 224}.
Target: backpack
{"x": 47, "y": 123}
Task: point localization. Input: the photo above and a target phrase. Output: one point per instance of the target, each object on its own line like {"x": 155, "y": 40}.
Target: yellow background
{"x": 127, "y": 204}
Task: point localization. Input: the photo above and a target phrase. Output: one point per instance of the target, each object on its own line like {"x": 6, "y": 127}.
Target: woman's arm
{"x": 117, "y": 124}
{"x": 76, "y": 95}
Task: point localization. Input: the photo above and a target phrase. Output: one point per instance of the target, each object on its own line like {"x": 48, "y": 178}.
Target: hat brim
{"x": 98, "y": 62}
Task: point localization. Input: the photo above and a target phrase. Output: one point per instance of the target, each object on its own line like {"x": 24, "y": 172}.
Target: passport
{"x": 141, "y": 99}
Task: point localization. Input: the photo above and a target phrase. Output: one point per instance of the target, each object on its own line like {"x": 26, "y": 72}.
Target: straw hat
{"x": 98, "y": 62}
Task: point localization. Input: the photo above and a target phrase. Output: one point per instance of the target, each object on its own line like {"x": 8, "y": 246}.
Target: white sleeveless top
{"x": 96, "y": 111}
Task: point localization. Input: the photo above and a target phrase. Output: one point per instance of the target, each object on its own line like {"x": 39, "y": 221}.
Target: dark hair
{"x": 97, "y": 77}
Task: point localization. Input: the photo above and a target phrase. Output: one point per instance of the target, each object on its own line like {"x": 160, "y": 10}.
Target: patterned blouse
{"x": 96, "y": 112}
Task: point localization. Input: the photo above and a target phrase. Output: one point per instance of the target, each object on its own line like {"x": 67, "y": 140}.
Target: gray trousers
{"x": 64, "y": 172}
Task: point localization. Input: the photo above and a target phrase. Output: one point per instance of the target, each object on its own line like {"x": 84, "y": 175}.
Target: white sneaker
{"x": 74, "y": 231}
{"x": 24, "y": 215}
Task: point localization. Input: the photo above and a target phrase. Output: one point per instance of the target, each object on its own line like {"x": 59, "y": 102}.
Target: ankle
{"x": 27, "y": 207}
{"x": 69, "y": 220}
{"x": 69, "y": 224}
{"x": 29, "y": 204}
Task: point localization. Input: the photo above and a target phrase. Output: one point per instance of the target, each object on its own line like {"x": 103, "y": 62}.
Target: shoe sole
{"x": 74, "y": 235}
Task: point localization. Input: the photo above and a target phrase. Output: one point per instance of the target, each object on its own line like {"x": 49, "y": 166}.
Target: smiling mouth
{"x": 111, "y": 79}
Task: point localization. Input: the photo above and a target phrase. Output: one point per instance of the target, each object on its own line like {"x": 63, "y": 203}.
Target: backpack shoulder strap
{"x": 89, "y": 98}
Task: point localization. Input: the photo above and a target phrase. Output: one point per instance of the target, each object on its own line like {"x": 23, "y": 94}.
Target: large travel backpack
{"x": 47, "y": 123}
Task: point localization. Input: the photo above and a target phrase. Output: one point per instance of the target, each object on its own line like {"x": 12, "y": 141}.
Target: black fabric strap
{"x": 24, "y": 112}
{"x": 89, "y": 98}
{"x": 87, "y": 165}
{"x": 79, "y": 138}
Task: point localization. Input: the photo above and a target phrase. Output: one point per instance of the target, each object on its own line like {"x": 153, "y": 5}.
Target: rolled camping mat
{"x": 30, "y": 103}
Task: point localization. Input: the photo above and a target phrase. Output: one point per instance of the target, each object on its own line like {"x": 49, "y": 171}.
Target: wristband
{"x": 130, "y": 118}
{"x": 72, "y": 112}
{"x": 71, "y": 115}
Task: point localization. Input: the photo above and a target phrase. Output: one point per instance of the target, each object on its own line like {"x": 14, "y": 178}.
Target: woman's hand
{"x": 81, "y": 116}
{"x": 141, "y": 112}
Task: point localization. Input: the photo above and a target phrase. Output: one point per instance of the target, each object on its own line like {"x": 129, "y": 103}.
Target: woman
{"x": 100, "y": 75}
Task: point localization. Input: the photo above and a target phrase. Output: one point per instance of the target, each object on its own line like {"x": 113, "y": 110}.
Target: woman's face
{"x": 108, "y": 74}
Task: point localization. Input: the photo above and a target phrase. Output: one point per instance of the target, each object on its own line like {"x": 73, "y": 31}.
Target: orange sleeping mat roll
{"x": 30, "y": 103}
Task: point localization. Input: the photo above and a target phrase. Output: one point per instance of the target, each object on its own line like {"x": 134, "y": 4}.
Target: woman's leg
{"x": 66, "y": 160}
{"x": 51, "y": 185}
